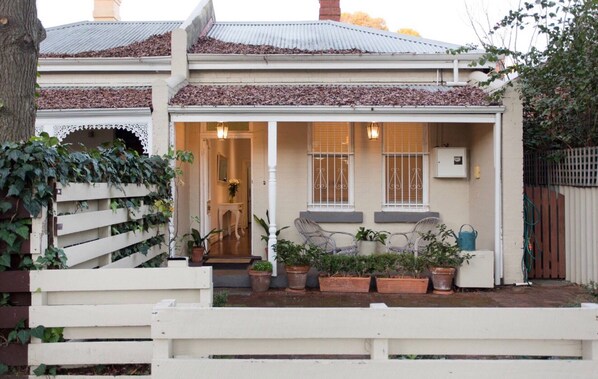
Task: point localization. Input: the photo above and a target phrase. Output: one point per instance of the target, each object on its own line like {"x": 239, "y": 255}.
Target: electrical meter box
{"x": 449, "y": 162}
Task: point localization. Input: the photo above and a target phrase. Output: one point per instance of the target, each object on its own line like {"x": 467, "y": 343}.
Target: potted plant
{"x": 266, "y": 227}
{"x": 297, "y": 260}
{"x": 443, "y": 256}
{"x": 345, "y": 273}
{"x": 260, "y": 274}
{"x": 401, "y": 273}
{"x": 196, "y": 243}
{"x": 369, "y": 240}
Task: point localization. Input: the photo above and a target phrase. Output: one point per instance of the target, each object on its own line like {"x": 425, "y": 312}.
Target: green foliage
{"x": 220, "y": 299}
{"x": 45, "y": 370}
{"x": 592, "y": 289}
{"x": 346, "y": 265}
{"x": 4, "y": 299}
{"x": 364, "y": 234}
{"x": 440, "y": 251}
{"x": 404, "y": 264}
{"x": 29, "y": 171}
{"x": 262, "y": 266}
{"x": 3, "y": 369}
{"x": 266, "y": 226}
{"x": 195, "y": 239}
{"x": 53, "y": 258}
{"x": 559, "y": 84}
{"x": 293, "y": 254}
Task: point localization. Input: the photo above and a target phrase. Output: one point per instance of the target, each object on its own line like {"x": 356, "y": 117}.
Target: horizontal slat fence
{"x": 362, "y": 342}
{"x": 106, "y": 314}
{"x": 84, "y": 220}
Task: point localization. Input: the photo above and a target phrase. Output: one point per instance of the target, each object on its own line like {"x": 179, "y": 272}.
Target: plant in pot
{"x": 443, "y": 256}
{"x": 401, "y": 273}
{"x": 297, "y": 260}
{"x": 197, "y": 244}
{"x": 260, "y": 274}
{"x": 345, "y": 273}
{"x": 265, "y": 224}
{"x": 369, "y": 240}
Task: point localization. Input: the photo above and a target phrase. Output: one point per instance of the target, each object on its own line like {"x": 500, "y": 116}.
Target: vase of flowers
{"x": 233, "y": 187}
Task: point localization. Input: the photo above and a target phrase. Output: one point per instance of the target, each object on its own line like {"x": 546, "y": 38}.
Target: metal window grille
{"x": 331, "y": 166}
{"x": 405, "y": 166}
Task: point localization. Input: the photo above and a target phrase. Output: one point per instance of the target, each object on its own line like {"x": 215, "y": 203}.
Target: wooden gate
{"x": 547, "y": 241}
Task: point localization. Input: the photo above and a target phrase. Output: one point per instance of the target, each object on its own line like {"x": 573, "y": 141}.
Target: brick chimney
{"x": 330, "y": 10}
{"x": 106, "y": 10}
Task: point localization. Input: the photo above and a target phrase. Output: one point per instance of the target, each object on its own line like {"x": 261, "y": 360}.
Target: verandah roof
{"x": 329, "y": 95}
{"x": 84, "y": 98}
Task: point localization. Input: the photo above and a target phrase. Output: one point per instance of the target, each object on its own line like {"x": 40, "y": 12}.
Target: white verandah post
{"x": 272, "y": 159}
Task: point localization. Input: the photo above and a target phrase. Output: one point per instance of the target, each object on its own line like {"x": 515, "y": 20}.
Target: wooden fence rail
{"x": 106, "y": 314}
{"x": 84, "y": 232}
{"x": 218, "y": 342}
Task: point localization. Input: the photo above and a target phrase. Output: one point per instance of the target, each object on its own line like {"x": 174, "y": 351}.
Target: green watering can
{"x": 466, "y": 238}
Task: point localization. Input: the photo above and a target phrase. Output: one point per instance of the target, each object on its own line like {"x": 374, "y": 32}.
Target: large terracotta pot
{"x": 442, "y": 279}
{"x": 344, "y": 284}
{"x": 297, "y": 277}
{"x": 402, "y": 285}
{"x": 260, "y": 280}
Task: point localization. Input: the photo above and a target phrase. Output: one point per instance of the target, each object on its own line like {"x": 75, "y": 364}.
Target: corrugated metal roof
{"x": 100, "y": 35}
{"x": 324, "y": 35}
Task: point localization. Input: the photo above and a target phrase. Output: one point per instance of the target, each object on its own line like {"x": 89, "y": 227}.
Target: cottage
{"x": 346, "y": 125}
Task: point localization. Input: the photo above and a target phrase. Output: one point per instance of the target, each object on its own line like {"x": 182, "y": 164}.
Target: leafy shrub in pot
{"x": 345, "y": 273}
{"x": 297, "y": 260}
{"x": 260, "y": 274}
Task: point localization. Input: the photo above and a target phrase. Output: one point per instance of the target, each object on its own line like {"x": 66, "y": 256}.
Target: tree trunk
{"x": 20, "y": 35}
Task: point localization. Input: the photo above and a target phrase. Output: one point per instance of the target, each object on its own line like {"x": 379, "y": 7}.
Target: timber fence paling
{"x": 106, "y": 314}
{"x": 216, "y": 342}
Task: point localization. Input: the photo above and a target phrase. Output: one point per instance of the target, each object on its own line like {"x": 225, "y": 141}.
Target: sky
{"x": 442, "y": 20}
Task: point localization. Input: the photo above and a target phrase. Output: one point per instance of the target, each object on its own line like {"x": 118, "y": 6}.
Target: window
{"x": 405, "y": 165}
{"x": 330, "y": 164}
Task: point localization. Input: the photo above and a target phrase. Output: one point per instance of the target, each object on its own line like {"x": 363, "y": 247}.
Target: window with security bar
{"x": 405, "y": 165}
{"x": 330, "y": 166}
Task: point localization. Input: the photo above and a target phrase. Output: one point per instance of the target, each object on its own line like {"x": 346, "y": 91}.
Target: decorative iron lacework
{"x": 140, "y": 130}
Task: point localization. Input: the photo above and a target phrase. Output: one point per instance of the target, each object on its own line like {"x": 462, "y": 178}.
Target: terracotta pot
{"x": 260, "y": 280}
{"x": 402, "y": 285}
{"x": 197, "y": 254}
{"x": 442, "y": 279}
{"x": 297, "y": 277}
{"x": 344, "y": 284}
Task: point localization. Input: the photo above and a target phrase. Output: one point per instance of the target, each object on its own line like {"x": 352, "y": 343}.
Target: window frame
{"x": 331, "y": 207}
{"x": 424, "y": 206}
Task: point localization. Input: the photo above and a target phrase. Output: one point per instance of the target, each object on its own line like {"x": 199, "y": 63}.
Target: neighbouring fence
{"x": 106, "y": 314}
{"x": 87, "y": 225}
{"x": 563, "y": 186}
{"x": 379, "y": 342}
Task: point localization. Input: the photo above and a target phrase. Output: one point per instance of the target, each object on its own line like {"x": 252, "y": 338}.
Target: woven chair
{"x": 412, "y": 241}
{"x": 314, "y": 235}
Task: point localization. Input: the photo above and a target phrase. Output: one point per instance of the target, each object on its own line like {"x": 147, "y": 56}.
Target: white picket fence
{"x": 106, "y": 314}
{"x": 84, "y": 220}
{"x": 228, "y": 342}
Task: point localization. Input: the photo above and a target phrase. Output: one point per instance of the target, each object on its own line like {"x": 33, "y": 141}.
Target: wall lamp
{"x": 373, "y": 130}
{"x": 221, "y": 130}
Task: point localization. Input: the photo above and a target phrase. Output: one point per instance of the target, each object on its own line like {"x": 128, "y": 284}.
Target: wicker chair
{"x": 412, "y": 241}
{"x": 314, "y": 235}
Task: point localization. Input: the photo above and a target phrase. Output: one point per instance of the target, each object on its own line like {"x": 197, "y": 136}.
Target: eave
{"x": 130, "y": 64}
{"x": 330, "y": 61}
{"x": 93, "y": 112}
{"x": 446, "y": 114}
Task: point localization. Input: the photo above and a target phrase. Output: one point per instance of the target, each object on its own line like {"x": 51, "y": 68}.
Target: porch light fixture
{"x": 373, "y": 131}
{"x": 221, "y": 130}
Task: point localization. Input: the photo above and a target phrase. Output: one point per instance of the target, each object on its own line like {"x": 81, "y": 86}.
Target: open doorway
{"x": 228, "y": 161}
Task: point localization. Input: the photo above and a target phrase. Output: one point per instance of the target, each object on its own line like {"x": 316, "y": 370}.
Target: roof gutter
{"x": 447, "y": 114}
{"x": 331, "y": 61}
{"x": 93, "y": 112}
{"x": 143, "y": 64}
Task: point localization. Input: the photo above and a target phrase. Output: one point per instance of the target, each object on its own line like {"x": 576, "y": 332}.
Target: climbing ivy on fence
{"x": 28, "y": 174}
